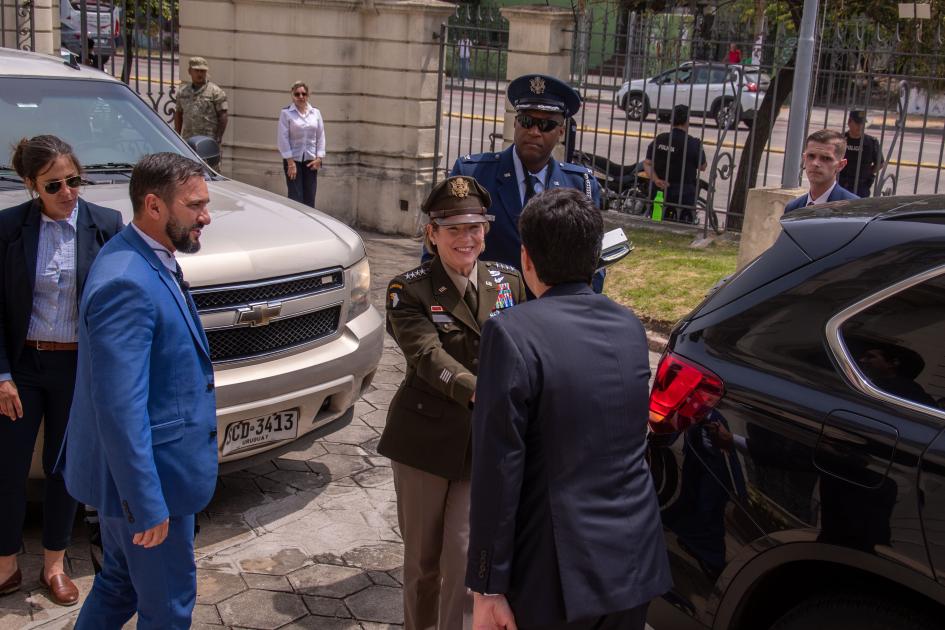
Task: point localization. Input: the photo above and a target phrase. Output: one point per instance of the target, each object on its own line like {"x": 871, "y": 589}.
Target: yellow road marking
{"x": 649, "y": 135}
{"x": 147, "y": 80}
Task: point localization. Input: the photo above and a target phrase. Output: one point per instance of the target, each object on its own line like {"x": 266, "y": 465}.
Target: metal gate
{"x": 135, "y": 40}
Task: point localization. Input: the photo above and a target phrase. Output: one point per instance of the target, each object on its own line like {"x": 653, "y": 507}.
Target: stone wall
{"x": 371, "y": 68}
{"x": 762, "y": 226}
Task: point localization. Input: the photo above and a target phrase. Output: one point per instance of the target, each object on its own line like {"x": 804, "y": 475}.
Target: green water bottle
{"x": 658, "y": 206}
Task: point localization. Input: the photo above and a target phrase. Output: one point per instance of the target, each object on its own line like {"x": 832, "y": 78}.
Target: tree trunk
{"x": 750, "y": 160}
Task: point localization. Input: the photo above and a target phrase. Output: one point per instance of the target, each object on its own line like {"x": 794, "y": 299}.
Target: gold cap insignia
{"x": 459, "y": 188}
{"x": 537, "y": 84}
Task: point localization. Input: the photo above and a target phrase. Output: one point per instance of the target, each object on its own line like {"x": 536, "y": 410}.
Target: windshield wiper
{"x": 109, "y": 166}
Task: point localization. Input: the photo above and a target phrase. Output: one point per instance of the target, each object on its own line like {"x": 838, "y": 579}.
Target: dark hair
{"x": 829, "y": 136}
{"x": 32, "y": 156}
{"x": 562, "y": 230}
{"x": 160, "y": 174}
{"x": 680, "y": 115}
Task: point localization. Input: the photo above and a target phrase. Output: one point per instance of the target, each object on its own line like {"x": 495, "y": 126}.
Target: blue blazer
{"x": 19, "y": 244}
{"x": 839, "y": 193}
{"x": 141, "y": 439}
{"x": 496, "y": 173}
{"x": 563, "y": 517}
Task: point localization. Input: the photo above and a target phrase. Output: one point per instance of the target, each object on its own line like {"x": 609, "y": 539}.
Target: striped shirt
{"x": 55, "y": 314}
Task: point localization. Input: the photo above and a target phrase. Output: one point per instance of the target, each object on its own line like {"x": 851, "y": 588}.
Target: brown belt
{"x": 52, "y": 345}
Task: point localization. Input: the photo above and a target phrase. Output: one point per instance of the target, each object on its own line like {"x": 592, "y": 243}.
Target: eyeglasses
{"x": 544, "y": 124}
{"x": 53, "y": 187}
{"x": 299, "y": 93}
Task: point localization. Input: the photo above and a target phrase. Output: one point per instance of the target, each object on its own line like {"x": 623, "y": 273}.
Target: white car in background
{"x": 283, "y": 290}
{"x": 726, "y": 93}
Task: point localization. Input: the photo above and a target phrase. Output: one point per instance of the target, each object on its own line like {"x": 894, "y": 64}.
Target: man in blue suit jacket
{"x": 526, "y": 168}
{"x": 824, "y": 158}
{"x": 564, "y": 523}
{"x": 141, "y": 440}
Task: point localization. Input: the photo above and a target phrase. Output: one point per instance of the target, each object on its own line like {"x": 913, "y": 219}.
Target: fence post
{"x": 800, "y": 96}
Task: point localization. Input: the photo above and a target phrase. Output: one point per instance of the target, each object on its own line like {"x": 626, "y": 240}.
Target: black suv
{"x": 798, "y": 431}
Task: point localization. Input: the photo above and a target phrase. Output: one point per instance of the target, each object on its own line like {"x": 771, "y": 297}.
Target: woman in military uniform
{"x": 435, "y": 312}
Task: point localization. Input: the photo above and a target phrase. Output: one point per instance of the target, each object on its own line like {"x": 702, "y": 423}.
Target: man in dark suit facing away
{"x": 564, "y": 523}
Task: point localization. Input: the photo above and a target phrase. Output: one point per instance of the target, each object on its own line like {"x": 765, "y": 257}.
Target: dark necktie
{"x": 529, "y": 186}
{"x": 471, "y": 299}
{"x": 185, "y": 289}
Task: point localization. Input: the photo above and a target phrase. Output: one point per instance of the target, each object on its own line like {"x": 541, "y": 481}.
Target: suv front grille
{"x": 275, "y": 289}
{"x": 231, "y": 344}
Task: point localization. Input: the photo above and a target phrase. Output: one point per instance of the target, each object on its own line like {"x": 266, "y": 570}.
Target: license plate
{"x": 243, "y": 434}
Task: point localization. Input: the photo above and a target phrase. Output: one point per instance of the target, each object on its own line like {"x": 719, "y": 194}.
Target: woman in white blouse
{"x": 301, "y": 141}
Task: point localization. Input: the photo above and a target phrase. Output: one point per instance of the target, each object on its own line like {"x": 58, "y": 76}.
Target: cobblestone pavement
{"x": 305, "y": 541}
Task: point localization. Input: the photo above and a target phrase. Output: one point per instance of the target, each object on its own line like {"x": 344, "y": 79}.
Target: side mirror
{"x": 207, "y": 148}
{"x": 614, "y": 247}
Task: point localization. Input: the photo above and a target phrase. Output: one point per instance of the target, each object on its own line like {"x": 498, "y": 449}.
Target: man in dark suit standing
{"x": 564, "y": 523}
{"x": 823, "y": 160}
{"x": 141, "y": 442}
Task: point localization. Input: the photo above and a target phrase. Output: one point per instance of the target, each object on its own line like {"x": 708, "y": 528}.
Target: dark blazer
{"x": 428, "y": 422}
{"x": 564, "y": 519}
{"x": 839, "y": 193}
{"x": 19, "y": 243}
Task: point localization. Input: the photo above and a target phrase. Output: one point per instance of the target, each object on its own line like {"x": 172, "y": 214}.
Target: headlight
{"x": 359, "y": 277}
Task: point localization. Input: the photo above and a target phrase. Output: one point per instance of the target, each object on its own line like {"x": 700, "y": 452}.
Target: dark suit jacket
{"x": 564, "y": 518}
{"x": 839, "y": 193}
{"x": 19, "y": 243}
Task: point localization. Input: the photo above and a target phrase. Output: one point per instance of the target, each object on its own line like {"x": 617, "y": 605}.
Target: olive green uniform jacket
{"x": 428, "y": 425}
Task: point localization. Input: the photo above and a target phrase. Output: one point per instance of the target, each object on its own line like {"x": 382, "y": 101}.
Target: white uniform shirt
{"x": 301, "y": 137}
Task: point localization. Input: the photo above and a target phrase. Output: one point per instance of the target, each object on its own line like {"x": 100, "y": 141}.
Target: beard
{"x": 179, "y": 235}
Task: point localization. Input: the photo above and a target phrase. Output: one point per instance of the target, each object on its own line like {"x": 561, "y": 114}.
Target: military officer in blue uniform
{"x": 543, "y": 104}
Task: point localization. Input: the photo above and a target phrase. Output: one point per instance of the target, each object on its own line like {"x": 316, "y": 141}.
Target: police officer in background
{"x": 435, "y": 313}
{"x": 864, "y": 156}
{"x": 673, "y": 162}
{"x": 542, "y": 104}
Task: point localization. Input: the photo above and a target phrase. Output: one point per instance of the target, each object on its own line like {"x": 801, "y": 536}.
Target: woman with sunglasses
{"x": 47, "y": 245}
{"x": 301, "y": 141}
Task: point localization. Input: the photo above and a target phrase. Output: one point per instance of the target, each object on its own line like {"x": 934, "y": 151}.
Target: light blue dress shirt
{"x": 541, "y": 176}
{"x": 55, "y": 314}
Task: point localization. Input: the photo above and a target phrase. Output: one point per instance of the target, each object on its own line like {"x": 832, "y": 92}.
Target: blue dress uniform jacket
{"x": 141, "y": 440}
{"x": 563, "y": 517}
{"x": 496, "y": 173}
{"x": 839, "y": 193}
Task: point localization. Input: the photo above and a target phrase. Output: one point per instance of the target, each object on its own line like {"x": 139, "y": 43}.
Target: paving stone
{"x": 352, "y": 434}
{"x": 382, "y": 579}
{"x": 379, "y": 397}
{"x": 291, "y": 464}
{"x": 308, "y": 480}
{"x": 390, "y": 358}
{"x": 371, "y": 447}
{"x": 235, "y": 495}
{"x": 273, "y": 489}
{"x": 368, "y": 625}
{"x": 323, "y": 623}
{"x": 326, "y": 606}
{"x": 268, "y": 582}
{"x": 219, "y": 531}
{"x": 392, "y": 377}
{"x": 302, "y": 454}
{"x": 374, "y": 477}
{"x": 345, "y": 449}
{"x": 342, "y": 465}
{"x": 328, "y": 580}
{"x": 204, "y": 613}
{"x": 215, "y": 586}
{"x": 363, "y": 407}
{"x": 279, "y": 563}
{"x": 376, "y": 419}
{"x": 378, "y": 603}
{"x": 380, "y": 557}
{"x": 263, "y": 610}
{"x": 262, "y": 468}
{"x": 397, "y": 574}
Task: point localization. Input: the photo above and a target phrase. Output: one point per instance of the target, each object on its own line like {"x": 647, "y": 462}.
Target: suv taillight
{"x": 752, "y": 87}
{"x": 683, "y": 394}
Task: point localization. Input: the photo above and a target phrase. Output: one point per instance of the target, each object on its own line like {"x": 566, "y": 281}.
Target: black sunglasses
{"x": 52, "y": 188}
{"x": 544, "y": 124}
{"x": 299, "y": 93}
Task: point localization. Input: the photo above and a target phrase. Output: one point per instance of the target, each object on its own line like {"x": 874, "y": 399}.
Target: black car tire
{"x": 637, "y": 107}
{"x": 851, "y": 612}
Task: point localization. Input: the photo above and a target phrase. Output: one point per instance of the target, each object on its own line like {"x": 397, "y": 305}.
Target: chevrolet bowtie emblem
{"x": 258, "y": 314}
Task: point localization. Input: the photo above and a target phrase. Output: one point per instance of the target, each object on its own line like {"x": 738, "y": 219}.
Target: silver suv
{"x": 283, "y": 290}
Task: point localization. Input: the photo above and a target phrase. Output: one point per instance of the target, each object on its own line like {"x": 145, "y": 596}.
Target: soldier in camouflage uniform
{"x": 201, "y": 105}
{"x": 435, "y": 312}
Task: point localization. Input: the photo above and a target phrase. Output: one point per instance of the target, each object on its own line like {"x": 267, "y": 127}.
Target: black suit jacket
{"x": 19, "y": 243}
{"x": 564, "y": 518}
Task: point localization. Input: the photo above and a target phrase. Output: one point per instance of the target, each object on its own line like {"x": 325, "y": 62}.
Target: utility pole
{"x": 800, "y": 96}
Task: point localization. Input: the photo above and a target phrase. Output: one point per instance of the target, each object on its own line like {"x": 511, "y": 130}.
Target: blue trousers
{"x": 160, "y": 583}
{"x": 302, "y": 188}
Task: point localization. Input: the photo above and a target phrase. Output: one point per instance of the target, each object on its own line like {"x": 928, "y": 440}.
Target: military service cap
{"x": 544, "y": 93}
{"x": 198, "y": 63}
{"x": 456, "y": 200}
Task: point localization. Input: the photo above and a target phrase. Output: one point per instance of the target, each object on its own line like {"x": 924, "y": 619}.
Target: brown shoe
{"x": 61, "y": 589}
{"x": 12, "y": 584}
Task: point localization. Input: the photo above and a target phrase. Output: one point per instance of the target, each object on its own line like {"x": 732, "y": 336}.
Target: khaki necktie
{"x": 471, "y": 299}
